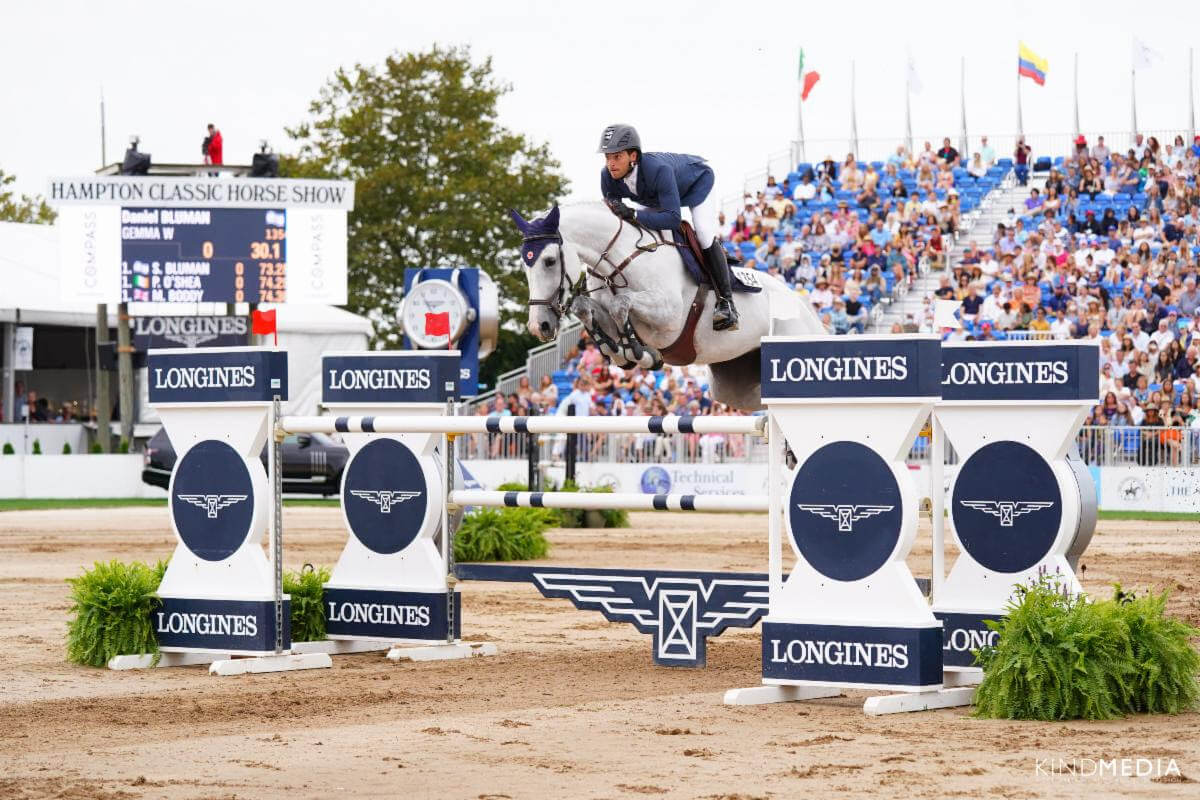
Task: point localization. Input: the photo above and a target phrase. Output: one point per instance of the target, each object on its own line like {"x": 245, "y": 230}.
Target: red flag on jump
{"x": 263, "y": 322}
{"x": 437, "y": 324}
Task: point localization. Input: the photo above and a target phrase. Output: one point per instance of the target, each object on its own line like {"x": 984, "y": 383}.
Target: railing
{"x": 782, "y": 162}
{"x": 1112, "y": 446}
{"x": 635, "y": 448}
{"x": 542, "y": 360}
{"x": 1101, "y": 446}
{"x": 1039, "y": 336}
{"x": 1148, "y": 446}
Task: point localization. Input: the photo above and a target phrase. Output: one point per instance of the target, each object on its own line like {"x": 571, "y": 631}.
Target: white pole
{"x": 937, "y": 502}
{"x": 962, "y": 82}
{"x": 775, "y": 472}
{"x": 547, "y": 424}
{"x": 1133, "y": 103}
{"x": 908, "y": 110}
{"x": 1191, "y": 99}
{"x": 853, "y": 114}
{"x": 1078, "y": 130}
{"x": 1020, "y": 121}
{"x": 800, "y": 154}
{"x": 611, "y": 500}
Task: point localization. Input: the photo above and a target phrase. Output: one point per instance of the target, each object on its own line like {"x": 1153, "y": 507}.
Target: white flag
{"x": 944, "y": 314}
{"x": 1144, "y": 55}
{"x": 914, "y": 80}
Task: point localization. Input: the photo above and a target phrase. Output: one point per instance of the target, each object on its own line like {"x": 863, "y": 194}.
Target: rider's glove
{"x": 623, "y": 211}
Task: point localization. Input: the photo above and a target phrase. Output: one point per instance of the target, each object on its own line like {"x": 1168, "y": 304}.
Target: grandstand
{"x": 1092, "y": 243}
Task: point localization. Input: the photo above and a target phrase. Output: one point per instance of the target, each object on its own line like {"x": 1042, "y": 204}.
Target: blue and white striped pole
{"x": 611, "y": 500}
{"x": 547, "y": 424}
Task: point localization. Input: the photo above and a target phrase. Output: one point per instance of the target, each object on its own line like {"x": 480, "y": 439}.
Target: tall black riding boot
{"x": 725, "y": 315}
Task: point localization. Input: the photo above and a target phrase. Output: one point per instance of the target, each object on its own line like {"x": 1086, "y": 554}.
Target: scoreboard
{"x": 147, "y": 239}
{"x": 210, "y": 255}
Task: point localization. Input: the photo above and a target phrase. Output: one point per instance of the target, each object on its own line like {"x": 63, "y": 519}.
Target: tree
{"x": 434, "y": 172}
{"x": 22, "y": 209}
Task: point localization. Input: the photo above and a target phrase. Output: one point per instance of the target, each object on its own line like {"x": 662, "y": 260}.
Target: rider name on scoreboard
{"x": 200, "y": 239}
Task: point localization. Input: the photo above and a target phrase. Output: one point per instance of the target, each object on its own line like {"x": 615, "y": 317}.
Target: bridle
{"x": 566, "y": 290}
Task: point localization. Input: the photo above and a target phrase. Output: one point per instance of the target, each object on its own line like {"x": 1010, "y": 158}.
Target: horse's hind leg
{"x": 736, "y": 382}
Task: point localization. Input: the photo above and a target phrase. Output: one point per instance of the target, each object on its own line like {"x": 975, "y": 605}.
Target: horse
{"x": 628, "y": 287}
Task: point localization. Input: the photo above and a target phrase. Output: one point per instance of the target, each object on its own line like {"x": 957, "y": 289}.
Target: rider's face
{"x": 619, "y": 164}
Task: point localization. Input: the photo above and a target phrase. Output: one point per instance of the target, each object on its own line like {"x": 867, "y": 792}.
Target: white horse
{"x": 631, "y": 283}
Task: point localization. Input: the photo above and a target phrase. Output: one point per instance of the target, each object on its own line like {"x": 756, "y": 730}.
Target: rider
{"x": 664, "y": 182}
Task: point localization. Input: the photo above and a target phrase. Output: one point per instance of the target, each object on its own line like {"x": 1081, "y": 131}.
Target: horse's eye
{"x": 550, "y": 262}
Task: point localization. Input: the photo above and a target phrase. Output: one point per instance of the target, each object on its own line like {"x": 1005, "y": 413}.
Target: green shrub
{"x": 1166, "y": 662}
{"x": 95, "y": 448}
{"x": 66, "y": 451}
{"x": 513, "y": 486}
{"x": 124, "y": 446}
{"x": 37, "y": 447}
{"x": 113, "y": 603}
{"x": 574, "y": 517}
{"x": 1060, "y": 657}
{"x": 307, "y": 590}
{"x": 9, "y": 449}
{"x": 504, "y": 534}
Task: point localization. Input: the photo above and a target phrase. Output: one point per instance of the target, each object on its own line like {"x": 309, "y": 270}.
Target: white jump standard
{"x": 849, "y": 615}
{"x": 221, "y": 594}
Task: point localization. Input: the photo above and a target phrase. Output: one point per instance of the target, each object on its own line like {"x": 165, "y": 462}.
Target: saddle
{"x": 682, "y": 351}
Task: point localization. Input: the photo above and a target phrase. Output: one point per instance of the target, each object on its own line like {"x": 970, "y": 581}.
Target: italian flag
{"x": 807, "y": 79}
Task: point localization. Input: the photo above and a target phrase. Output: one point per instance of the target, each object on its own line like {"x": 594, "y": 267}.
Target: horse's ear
{"x": 552, "y": 218}
{"x": 522, "y": 225}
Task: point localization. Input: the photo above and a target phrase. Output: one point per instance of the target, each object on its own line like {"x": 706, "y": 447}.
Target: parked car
{"x": 312, "y": 462}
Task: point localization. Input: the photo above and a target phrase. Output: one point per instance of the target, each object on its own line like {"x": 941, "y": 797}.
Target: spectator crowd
{"x": 1105, "y": 249}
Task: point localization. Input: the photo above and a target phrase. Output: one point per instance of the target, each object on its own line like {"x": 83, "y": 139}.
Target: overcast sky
{"x": 716, "y": 79}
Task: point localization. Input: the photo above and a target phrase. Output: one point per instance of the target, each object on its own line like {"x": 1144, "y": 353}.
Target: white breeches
{"x": 704, "y": 220}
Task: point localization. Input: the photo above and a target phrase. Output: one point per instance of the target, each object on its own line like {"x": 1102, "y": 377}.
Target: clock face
{"x": 433, "y": 297}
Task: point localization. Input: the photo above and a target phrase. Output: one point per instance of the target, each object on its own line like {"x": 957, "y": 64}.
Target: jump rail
{"x": 549, "y": 424}
{"x": 611, "y": 500}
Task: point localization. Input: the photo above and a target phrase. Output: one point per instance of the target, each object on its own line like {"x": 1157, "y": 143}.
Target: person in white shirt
{"x": 977, "y": 168}
{"x": 1100, "y": 151}
{"x": 988, "y": 265}
{"x": 1060, "y": 328}
{"x": 1164, "y": 335}
{"x": 993, "y": 305}
{"x": 1139, "y": 147}
{"x": 805, "y": 190}
{"x": 821, "y": 297}
{"x": 580, "y": 397}
{"x": 986, "y": 152}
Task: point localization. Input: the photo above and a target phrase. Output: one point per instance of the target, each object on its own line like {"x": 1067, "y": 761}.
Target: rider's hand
{"x": 623, "y": 211}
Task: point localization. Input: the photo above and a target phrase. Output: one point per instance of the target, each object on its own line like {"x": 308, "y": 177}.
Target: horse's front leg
{"x": 624, "y": 308}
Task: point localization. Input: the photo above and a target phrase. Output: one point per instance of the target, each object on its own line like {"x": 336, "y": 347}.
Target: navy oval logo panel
{"x": 384, "y": 495}
{"x": 845, "y": 510}
{"x": 212, "y": 500}
{"x": 1006, "y": 507}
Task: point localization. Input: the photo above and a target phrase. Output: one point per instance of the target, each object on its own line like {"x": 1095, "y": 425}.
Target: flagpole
{"x": 853, "y": 116}
{"x": 962, "y": 82}
{"x": 1077, "y": 129}
{"x": 1020, "y": 121}
{"x": 908, "y": 109}
{"x": 1133, "y": 101}
{"x": 801, "y": 155}
{"x": 1191, "y": 98}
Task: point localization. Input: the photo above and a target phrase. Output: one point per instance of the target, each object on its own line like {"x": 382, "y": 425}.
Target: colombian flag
{"x": 1030, "y": 65}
